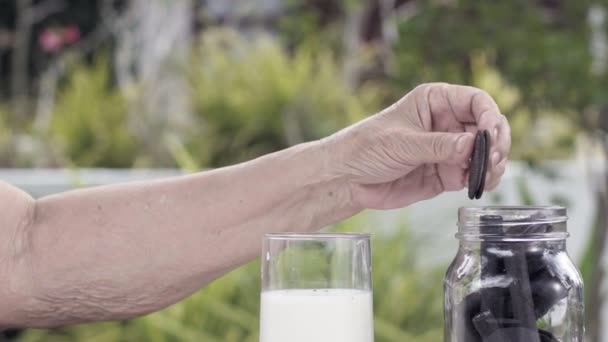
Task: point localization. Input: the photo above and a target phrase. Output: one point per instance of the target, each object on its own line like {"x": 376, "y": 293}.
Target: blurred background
{"x": 98, "y": 92}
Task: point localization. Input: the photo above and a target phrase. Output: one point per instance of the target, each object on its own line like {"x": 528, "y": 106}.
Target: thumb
{"x": 438, "y": 147}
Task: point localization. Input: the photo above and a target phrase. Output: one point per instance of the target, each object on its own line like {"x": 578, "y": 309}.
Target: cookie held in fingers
{"x": 478, "y": 166}
{"x": 484, "y": 165}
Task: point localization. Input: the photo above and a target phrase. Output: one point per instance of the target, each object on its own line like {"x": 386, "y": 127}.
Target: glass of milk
{"x": 316, "y": 288}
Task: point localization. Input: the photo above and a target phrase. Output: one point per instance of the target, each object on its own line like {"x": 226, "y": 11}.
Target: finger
{"x": 452, "y": 176}
{"x": 485, "y": 113}
{"x": 453, "y": 106}
{"x": 432, "y": 97}
{"x": 500, "y": 144}
{"x": 501, "y": 139}
{"x": 428, "y": 185}
{"x": 432, "y": 187}
{"x": 471, "y": 128}
{"x": 495, "y": 175}
{"x": 420, "y": 184}
{"x": 472, "y": 105}
{"x": 434, "y": 147}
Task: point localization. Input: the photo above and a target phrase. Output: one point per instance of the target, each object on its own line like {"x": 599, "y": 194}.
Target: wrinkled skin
{"x": 420, "y": 146}
{"x": 123, "y": 250}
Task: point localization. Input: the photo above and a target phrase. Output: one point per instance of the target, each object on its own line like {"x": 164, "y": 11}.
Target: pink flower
{"x": 50, "y": 41}
{"x": 71, "y": 34}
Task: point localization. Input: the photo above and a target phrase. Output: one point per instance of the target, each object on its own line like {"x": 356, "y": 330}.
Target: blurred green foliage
{"x": 89, "y": 123}
{"x": 249, "y": 97}
{"x": 252, "y": 95}
{"x": 535, "y": 60}
{"x": 6, "y": 137}
{"x": 408, "y": 304}
{"x": 266, "y": 97}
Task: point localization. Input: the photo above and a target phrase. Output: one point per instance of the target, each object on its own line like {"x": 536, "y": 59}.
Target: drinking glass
{"x": 316, "y": 288}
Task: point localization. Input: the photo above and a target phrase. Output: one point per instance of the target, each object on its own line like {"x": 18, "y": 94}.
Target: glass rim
{"x": 511, "y": 222}
{"x": 469, "y": 216}
{"x": 516, "y": 206}
{"x": 317, "y": 236}
{"x": 474, "y": 209}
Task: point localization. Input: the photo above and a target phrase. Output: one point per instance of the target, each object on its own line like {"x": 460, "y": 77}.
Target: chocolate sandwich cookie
{"x": 547, "y": 291}
{"x": 546, "y": 336}
{"x": 478, "y": 166}
{"x": 466, "y": 311}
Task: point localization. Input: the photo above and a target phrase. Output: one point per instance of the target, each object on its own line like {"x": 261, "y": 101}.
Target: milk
{"x": 327, "y": 315}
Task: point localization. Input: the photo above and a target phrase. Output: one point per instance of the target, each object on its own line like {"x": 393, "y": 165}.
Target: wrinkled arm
{"x": 119, "y": 251}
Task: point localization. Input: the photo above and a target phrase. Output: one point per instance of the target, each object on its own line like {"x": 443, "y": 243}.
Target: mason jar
{"x": 512, "y": 279}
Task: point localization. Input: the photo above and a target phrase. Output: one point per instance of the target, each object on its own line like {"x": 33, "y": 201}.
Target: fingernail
{"x": 461, "y": 143}
{"x": 495, "y": 158}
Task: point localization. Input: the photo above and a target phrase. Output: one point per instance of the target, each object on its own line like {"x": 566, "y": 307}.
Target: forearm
{"x": 119, "y": 251}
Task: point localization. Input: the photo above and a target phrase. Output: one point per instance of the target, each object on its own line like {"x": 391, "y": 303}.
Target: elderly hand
{"x": 419, "y": 147}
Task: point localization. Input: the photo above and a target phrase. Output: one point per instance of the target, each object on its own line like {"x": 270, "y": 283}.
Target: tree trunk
{"x": 595, "y": 273}
{"x": 593, "y": 265}
{"x": 148, "y": 55}
{"x": 595, "y": 299}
